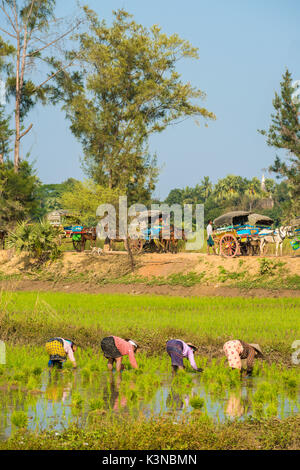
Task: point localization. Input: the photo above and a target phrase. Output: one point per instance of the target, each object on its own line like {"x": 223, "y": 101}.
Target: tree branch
{"x": 53, "y": 42}
{"x": 54, "y": 75}
{"x": 30, "y": 11}
{"x": 16, "y": 14}
{"x": 26, "y": 132}
{"x": 10, "y": 34}
{"x": 9, "y": 18}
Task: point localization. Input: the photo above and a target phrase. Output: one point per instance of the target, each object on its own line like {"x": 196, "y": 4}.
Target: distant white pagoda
{"x": 265, "y": 202}
{"x": 263, "y": 183}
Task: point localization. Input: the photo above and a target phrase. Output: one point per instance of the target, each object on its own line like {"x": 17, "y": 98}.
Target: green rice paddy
{"x": 36, "y": 404}
{"x": 274, "y": 323}
{"x": 33, "y": 398}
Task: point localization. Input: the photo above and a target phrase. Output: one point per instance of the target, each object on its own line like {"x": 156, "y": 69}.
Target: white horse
{"x": 274, "y": 236}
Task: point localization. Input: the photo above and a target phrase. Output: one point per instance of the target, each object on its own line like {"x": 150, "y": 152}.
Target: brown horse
{"x": 171, "y": 244}
{"x": 86, "y": 234}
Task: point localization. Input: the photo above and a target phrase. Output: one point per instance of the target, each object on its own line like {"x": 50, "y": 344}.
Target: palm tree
{"x": 207, "y": 187}
{"x": 228, "y": 188}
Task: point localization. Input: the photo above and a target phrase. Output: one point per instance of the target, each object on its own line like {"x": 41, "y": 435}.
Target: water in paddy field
{"x": 68, "y": 397}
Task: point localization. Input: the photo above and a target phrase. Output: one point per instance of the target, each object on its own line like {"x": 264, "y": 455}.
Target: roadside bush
{"x": 225, "y": 275}
{"x": 269, "y": 267}
{"x": 40, "y": 240}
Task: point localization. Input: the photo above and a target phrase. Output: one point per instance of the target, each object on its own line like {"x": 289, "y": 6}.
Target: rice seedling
{"x": 96, "y": 404}
{"x": 93, "y": 396}
{"x": 197, "y": 403}
{"x": 77, "y": 400}
{"x": 19, "y": 419}
{"x": 207, "y": 321}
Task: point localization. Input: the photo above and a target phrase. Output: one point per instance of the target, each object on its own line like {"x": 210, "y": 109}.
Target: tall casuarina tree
{"x": 284, "y": 133}
{"x": 127, "y": 87}
{"x": 28, "y": 29}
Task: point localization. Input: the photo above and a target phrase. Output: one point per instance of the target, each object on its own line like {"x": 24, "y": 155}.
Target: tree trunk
{"x": 130, "y": 254}
{"x": 17, "y": 138}
{"x": 110, "y": 179}
{"x": 17, "y": 111}
{"x": 19, "y": 87}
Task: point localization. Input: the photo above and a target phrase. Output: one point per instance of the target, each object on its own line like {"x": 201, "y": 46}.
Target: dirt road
{"x": 148, "y": 266}
{"x": 140, "y": 289}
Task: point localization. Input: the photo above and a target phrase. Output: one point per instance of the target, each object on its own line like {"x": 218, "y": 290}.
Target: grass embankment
{"x": 31, "y": 318}
{"x": 270, "y": 274}
{"x": 163, "y": 433}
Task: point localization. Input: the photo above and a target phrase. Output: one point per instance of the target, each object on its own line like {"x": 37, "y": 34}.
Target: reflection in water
{"x": 179, "y": 401}
{"x": 111, "y": 392}
{"x": 53, "y": 406}
{"x": 234, "y": 406}
{"x": 57, "y": 390}
{"x": 238, "y": 403}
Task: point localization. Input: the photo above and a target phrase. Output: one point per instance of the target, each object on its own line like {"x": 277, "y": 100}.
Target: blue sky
{"x": 244, "y": 47}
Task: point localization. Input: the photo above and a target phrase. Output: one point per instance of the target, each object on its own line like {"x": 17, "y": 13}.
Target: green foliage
{"x": 19, "y": 419}
{"x": 28, "y": 29}
{"x": 18, "y": 193}
{"x": 28, "y": 17}
{"x": 234, "y": 193}
{"x": 30, "y": 97}
{"x": 37, "y": 371}
{"x": 151, "y": 320}
{"x": 284, "y": 133}
{"x": 230, "y": 187}
{"x": 50, "y": 196}
{"x": 40, "y": 240}
{"x": 6, "y": 51}
{"x": 85, "y": 197}
{"x": 225, "y": 275}
{"x": 197, "y": 403}
{"x": 178, "y": 279}
{"x": 131, "y": 90}
{"x": 96, "y": 404}
{"x": 77, "y": 400}
{"x": 5, "y": 135}
{"x": 198, "y": 194}
{"x": 151, "y": 396}
{"x": 269, "y": 267}
{"x": 163, "y": 433}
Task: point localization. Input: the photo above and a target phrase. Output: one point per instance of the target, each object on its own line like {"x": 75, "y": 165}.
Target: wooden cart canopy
{"x": 296, "y": 222}
{"x": 232, "y": 218}
{"x": 58, "y": 214}
{"x": 151, "y": 213}
{"x": 259, "y": 219}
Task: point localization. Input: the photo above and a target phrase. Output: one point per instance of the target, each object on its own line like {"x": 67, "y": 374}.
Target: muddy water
{"x": 62, "y": 399}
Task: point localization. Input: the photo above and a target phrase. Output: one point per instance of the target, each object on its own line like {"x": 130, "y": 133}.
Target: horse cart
{"x": 80, "y": 235}
{"x": 151, "y": 226}
{"x": 237, "y": 233}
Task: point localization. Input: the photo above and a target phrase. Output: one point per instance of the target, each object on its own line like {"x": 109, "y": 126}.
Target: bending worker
{"x": 177, "y": 350}
{"x": 236, "y": 350}
{"x": 59, "y": 349}
{"x": 114, "y": 348}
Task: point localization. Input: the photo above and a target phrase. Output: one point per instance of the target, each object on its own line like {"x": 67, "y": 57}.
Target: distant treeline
{"x": 229, "y": 193}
